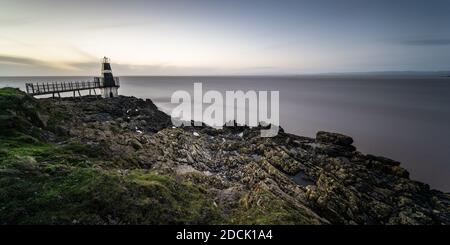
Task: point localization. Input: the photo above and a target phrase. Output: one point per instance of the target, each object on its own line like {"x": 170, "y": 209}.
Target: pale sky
{"x": 45, "y": 37}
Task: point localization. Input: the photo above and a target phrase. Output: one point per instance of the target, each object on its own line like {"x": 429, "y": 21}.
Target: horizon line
{"x": 387, "y": 72}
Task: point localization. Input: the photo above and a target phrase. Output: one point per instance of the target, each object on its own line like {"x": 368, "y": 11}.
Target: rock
{"x": 61, "y": 130}
{"x": 335, "y": 150}
{"x": 242, "y": 177}
{"x": 383, "y": 160}
{"x": 399, "y": 171}
{"x": 333, "y": 138}
{"x": 186, "y": 169}
{"x": 136, "y": 144}
{"x": 43, "y": 119}
{"x": 380, "y": 210}
{"x": 124, "y": 125}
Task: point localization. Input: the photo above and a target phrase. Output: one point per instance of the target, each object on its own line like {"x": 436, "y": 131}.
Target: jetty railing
{"x": 62, "y": 87}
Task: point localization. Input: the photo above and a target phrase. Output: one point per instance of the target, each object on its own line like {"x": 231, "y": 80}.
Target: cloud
{"x": 23, "y": 66}
{"x": 19, "y": 65}
{"x": 83, "y": 54}
{"x": 427, "y": 42}
{"x": 20, "y": 60}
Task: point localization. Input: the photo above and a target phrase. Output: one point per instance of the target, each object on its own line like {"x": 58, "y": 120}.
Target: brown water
{"x": 406, "y": 118}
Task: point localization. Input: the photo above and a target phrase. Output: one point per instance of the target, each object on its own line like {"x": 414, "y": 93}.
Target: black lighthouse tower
{"x": 110, "y": 83}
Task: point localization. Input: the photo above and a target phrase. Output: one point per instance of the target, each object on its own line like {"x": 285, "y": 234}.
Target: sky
{"x": 255, "y": 37}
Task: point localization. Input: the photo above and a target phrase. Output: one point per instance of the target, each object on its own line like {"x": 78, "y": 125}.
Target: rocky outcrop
{"x": 333, "y": 139}
{"x": 245, "y": 179}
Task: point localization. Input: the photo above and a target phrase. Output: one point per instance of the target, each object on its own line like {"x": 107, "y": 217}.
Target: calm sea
{"x": 406, "y": 118}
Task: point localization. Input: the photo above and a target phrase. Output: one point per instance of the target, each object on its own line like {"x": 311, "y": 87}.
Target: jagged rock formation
{"x": 120, "y": 161}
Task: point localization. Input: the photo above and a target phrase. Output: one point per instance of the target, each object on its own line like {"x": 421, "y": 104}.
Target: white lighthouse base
{"x": 110, "y": 92}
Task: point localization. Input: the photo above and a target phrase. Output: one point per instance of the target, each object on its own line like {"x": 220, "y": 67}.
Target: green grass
{"x": 42, "y": 183}
{"x": 23, "y": 145}
{"x": 4, "y": 92}
{"x": 18, "y": 112}
{"x": 37, "y": 186}
{"x": 67, "y": 195}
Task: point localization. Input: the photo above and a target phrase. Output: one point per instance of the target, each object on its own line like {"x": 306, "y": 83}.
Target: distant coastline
{"x": 298, "y": 74}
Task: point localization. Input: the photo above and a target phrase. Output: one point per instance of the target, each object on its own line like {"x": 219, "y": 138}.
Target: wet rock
{"x": 333, "y": 138}
{"x": 383, "y": 160}
{"x": 335, "y": 150}
{"x": 399, "y": 171}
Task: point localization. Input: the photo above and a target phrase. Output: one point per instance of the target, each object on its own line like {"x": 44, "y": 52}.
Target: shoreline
{"x": 123, "y": 154}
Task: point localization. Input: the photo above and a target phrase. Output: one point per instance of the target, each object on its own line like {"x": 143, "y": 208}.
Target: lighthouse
{"x": 110, "y": 83}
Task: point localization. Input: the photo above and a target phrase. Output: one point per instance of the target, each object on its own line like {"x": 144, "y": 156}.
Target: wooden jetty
{"x": 107, "y": 83}
{"x": 56, "y": 88}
